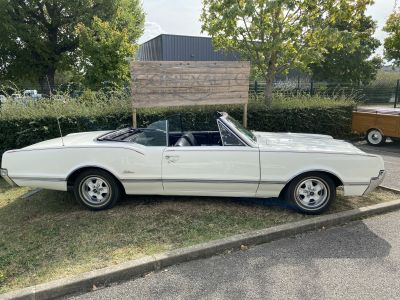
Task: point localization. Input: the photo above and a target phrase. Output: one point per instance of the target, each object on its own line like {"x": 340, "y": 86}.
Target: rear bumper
{"x": 4, "y": 174}
{"x": 375, "y": 182}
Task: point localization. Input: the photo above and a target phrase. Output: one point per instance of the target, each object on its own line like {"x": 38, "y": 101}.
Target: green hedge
{"x": 335, "y": 120}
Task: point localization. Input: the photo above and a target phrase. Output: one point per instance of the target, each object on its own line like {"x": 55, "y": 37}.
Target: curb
{"x": 132, "y": 269}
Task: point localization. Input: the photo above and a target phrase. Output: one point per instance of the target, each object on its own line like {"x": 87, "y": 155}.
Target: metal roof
{"x": 168, "y": 47}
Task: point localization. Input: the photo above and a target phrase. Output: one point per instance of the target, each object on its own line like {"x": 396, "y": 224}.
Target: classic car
{"x": 100, "y": 167}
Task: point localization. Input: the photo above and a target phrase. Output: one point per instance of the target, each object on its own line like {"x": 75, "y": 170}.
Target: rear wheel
{"x": 311, "y": 193}
{"x": 96, "y": 189}
{"x": 375, "y": 137}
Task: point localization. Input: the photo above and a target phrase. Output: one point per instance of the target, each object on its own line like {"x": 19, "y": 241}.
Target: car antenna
{"x": 61, "y": 135}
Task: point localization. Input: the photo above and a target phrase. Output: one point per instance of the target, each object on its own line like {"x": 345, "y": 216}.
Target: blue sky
{"x": 182, "y": 17}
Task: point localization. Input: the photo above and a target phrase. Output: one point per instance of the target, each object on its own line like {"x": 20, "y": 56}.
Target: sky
{"x": 182, "y": 17}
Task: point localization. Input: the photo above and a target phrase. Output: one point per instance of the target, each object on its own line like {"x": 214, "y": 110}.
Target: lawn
{"x": 48, "y": 236}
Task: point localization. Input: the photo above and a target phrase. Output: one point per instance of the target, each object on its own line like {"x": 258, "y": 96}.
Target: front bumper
{"x": 4, "y": 174}
{"x": 375, "y": 182}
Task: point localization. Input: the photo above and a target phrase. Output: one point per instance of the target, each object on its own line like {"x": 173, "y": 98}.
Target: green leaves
{"x": 351, "y": 62}
{"x": 104, "y": 51}
{"x": 392, "y": 42}
{"x": 39, "y": 37}
{"x": 281, "y": 34}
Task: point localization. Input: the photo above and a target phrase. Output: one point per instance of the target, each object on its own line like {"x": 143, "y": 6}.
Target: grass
{"x": 48, "y": 236}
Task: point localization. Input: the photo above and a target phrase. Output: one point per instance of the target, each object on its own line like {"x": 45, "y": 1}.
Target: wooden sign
{"x": 184, "y": 83}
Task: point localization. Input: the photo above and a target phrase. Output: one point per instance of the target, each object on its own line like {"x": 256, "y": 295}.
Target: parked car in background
{"x": 3, "y": 99}
{"x": 377, "y": 124}
{"x": 16, "y": 97}
{"x": 32, "y": 94}
{"x": 164, "y": 159}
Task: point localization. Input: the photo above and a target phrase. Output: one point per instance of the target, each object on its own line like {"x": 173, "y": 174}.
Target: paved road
{"x": 358, "y": 261}
{"x": 391, "y": 155}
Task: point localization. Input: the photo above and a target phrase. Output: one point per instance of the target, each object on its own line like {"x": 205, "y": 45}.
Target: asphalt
{"x": 358, "y": 261}
{"x": 391, "y": 155}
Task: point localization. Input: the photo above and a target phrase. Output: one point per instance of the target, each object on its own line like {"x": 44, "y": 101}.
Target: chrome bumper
{"x": 4, "y": 174}
{"x": 375, "y": 182}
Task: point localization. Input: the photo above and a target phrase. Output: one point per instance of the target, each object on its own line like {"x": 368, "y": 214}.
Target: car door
{"x": 229, "y": 170}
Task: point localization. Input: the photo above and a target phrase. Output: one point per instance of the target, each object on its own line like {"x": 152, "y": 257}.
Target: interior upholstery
{"x": 186, "y": 140}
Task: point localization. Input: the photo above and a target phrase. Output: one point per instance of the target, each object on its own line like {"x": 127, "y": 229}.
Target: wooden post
{"x": 134, "y": 118}
{"x": 245, "y": 115}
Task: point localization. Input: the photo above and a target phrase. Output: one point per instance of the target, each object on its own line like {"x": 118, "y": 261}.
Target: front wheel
{"x": 375, "y": 137}
{"x": 96, "y": 189}
{"x": 311, "y": 193}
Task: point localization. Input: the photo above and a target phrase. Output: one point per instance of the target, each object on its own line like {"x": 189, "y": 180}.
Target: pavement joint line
{"x": 129, "y": 270}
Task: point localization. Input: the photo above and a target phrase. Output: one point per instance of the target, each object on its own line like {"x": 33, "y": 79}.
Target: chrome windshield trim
{"x": 241, "y": 136}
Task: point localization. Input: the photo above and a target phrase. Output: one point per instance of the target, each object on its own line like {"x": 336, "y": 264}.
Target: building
{"x": 170, "y": 47}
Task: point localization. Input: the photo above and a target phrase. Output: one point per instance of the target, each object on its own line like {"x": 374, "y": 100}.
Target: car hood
{"x": 300, "y": 142}
{"x": 74, "y": 139}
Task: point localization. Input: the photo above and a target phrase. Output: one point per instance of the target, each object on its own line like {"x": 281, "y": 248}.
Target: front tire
{"x": 96, "y": 189}
{"x": 375, "y": 137}
{"x": 311, "y": 193}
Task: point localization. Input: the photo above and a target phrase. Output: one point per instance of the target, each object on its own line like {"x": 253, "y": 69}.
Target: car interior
{"x": 158, "y": 134}
{"x": 197, "y": 138}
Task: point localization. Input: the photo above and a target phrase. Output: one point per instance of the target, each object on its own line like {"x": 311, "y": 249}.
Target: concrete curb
{"x": 132, "y": 269}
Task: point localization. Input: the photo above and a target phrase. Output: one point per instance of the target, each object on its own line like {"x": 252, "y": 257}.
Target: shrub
{"x": 25, "y": 124}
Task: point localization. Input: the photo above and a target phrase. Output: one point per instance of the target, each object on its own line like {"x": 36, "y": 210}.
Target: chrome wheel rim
{"x": 312, "y": 193}
{"x": 375, "y": 137}
{"x": 95, "y": 190}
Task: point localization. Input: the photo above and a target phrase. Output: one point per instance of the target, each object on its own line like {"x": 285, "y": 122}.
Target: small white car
{"x": 99, "y": 167}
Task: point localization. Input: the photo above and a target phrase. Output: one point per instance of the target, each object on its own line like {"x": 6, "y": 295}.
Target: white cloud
{"x": 151, "y": 30}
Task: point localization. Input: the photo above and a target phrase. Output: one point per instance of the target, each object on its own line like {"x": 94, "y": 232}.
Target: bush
{"x": 26, "y": 124}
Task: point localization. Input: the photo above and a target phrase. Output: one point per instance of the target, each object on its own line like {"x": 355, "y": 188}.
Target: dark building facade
{"x": 169, "y": 47}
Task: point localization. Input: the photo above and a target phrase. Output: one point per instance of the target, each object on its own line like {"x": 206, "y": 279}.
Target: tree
{"x": 40, "y": 36}
{"x": 392, "y": 42}
{"x": 105, "y": 50}
{"x": 281, "y": 34}
{"x": 352, "y": 63}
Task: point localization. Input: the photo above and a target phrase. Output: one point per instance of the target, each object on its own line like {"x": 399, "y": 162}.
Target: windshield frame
{"x": 243, "y": 137}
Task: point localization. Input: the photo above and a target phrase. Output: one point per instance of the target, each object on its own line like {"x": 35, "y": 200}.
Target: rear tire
{"x": 375, "y": 137}
{"x": 96, "y": 189}
{"x": 311, "y": 193}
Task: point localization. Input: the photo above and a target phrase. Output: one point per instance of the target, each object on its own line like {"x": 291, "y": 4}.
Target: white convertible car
{"x": 99, "y": 167}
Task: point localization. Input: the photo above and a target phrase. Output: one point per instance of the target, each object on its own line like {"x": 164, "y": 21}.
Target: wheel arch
{"x": 336, "y": 178}
{"x": 75, "y": 173}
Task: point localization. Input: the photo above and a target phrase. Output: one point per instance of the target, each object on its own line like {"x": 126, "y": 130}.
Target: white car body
{"x": 255, "y": 169}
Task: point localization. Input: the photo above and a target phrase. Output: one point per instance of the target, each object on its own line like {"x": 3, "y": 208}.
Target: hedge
{"x": 334, "y": 120}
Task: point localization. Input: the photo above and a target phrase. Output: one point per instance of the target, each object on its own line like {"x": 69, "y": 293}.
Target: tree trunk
{"x": 269, "y": 79}
{"x": 47, "y": 81}
{"x": 268, "y": 90}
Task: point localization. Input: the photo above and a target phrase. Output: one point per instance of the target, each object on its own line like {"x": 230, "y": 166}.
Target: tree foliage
{"x": 104, "y": 53}
{"x": 39, "y": 37}
{"x": 352, "y": 63}
{"x": 392, "y": 42}
{"x": 282, "y": 34}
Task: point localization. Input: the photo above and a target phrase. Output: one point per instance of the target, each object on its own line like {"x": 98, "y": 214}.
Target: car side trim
{"x": 38, "y": 179}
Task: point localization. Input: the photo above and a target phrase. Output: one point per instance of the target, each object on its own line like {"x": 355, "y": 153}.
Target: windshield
{"x": 154, "y": 135}
{"x": 239, "y": 127}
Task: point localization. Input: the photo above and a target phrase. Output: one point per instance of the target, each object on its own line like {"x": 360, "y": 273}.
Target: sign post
{"x": 189, "y": 83}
